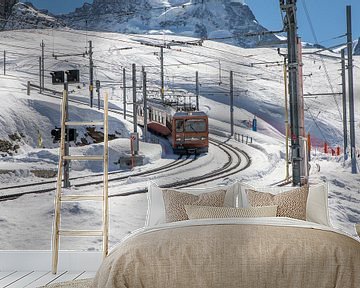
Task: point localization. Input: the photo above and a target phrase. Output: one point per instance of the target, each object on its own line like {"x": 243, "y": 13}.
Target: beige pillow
{"x": 174, "y": 202}
{"x": 201, "y": 212}
{"x": 290, "y": 204}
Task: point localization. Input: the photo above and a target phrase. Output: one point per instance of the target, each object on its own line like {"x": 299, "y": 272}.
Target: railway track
{"x": 234, "y": 164}
{"x": 236, "y": 161}
{"x": 114, "y": 176}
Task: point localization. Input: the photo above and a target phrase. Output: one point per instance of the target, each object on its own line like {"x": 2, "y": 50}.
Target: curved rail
{"x": 226, "y": 170}
{"x": 175, "y": 164}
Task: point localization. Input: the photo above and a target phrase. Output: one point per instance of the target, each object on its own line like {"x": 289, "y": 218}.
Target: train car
{"x": 186, "y": 130}
{"x": 159, "y": 117}
{"x": 190, "y": 133}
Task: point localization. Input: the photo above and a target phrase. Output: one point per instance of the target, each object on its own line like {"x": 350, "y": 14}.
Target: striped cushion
{"x": 201, "y": 212}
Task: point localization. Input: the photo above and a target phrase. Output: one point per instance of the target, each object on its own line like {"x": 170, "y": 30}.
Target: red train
{"x": 188, "y": 131}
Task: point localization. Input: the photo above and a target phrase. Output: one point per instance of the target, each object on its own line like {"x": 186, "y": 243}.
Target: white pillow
{"x": 317, "y": 209}
{"x": 156, "y": 208}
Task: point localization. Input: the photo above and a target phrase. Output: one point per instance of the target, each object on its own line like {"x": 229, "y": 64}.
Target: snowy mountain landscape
{"x": 226, "y": 20}
{"x": 29, "y": 151}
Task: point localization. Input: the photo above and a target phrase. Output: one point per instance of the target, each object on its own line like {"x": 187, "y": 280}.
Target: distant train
{"x": 188, "y": 131}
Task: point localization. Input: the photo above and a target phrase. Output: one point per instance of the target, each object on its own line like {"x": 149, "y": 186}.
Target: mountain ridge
{"x": 226, "y": 20}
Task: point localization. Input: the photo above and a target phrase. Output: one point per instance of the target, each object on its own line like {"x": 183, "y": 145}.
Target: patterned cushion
{"x": 200, "y": 212}
{"x": 174, "y": 202}
{"x": 290, "y": 204}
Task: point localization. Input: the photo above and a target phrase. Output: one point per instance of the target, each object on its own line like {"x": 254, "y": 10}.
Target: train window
{"x": 195, "y": 125}
{"x": 179, "y": 125}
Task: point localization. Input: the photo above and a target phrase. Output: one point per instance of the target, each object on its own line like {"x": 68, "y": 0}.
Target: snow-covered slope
{"x": 258, "y": 80}
{"x": 258, "y": 90}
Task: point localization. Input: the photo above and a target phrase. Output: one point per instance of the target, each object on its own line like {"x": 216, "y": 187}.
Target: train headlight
{"x": 178, "y": 139}
{"x": 203, "y": 138}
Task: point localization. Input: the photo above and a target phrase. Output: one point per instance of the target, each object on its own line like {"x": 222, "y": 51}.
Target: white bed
{"x": 234, "y": 252}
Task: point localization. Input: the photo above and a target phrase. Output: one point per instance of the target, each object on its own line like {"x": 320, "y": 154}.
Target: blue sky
{"x": 328, "y": 17}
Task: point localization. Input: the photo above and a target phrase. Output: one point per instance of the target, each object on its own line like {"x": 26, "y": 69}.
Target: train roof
{"x": 159, "y": 105}
{"x": 190, "y": 113}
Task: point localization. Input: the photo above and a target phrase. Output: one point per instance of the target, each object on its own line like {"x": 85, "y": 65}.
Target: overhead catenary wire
{"x": 152, "y": 38}
{"x": 321, "y": 58}
{"x": 134, "y": 43}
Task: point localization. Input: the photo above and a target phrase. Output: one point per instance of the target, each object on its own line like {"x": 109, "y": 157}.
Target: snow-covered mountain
{"x": 229, "y": 19}
{"x": 26, "y": 16}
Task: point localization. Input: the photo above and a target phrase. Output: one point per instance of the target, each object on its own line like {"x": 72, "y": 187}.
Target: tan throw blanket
{"x": 233, "y": 255}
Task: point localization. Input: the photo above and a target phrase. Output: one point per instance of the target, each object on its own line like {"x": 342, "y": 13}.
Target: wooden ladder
{"x": 59, "y": 197}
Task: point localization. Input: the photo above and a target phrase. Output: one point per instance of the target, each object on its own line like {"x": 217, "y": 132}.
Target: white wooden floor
{"x": 33, "y": 279}
{"x": 31, "y": 269}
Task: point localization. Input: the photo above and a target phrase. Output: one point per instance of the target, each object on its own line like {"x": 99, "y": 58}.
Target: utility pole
{"x": 197, "y": 90}
{"x": 134, "y": 97}
{"x": 304, "y": 172}
{"x": 43, "y": 64}
{"x": 67, "y": 133}
{"x": 4, "y": 62}
{"x": 351, "y": 90}
{"x": 220, "y": 73}
{"x": 162, "y": 72}
{"x": 343, "y": 84}
{"x": 124, "y": 91}
{"x": 286, "y": 117}
{"x": 231, "y": 103}
{"x": 145, "y": 105}
{"x": 91, "y": 87}
{"x": 40, "y": 78}
{"x": 290, "y": 24}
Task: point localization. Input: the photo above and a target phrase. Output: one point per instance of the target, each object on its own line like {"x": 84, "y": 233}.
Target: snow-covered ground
{"x": 26, "y": 223}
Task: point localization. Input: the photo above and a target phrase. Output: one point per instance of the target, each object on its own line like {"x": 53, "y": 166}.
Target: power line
{"x": 321, "y": 58}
